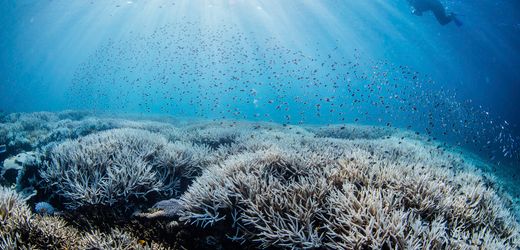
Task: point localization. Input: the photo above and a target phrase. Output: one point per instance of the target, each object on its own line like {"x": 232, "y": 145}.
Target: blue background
{"x": 46, "y": 45}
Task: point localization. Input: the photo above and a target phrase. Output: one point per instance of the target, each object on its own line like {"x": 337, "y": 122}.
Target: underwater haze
{"x": 212, "y": 103}
{"x": 46, "y": 45}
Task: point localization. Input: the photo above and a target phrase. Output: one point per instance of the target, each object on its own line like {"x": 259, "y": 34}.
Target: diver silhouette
{"x": 435, "y": 6}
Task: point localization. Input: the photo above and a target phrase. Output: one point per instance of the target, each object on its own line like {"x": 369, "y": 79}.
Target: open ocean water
{"x": 241, "y": 124}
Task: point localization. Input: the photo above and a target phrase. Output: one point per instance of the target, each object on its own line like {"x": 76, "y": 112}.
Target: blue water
{"x": 311, "y": 62}
{"x": 235, "y": 124}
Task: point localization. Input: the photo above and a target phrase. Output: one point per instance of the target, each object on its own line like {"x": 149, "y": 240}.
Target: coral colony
{"x": 121, "y": 183}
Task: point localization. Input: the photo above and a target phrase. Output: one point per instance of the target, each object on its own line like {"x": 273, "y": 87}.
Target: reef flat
{"x": 77, "y": 180}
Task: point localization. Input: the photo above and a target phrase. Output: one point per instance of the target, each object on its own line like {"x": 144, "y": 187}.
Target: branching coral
{"x": 30, "y": 131}
{"x": 117, "y": 239}
{"x": 117, "y": 166}
{"x": 271, "y": 196}
{"x": 259, "y": 184}
{"x": 361, "y": 194}
{"x": 352, "y": 132}
{"x": 20, "y": 229}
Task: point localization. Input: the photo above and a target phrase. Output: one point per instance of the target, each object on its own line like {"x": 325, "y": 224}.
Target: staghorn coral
{"x": 20, "y": 229}
{"x": 25, "y": 130}
{"x": 350, "y": 195}
{"x": 352, "y": 132}
{"x": 118, "y": 166}
{"x": 30, "y": 131}
{"x": 262, "y": 185}
{"x": 117, "y": 239}
{"x": 252, "y": 189}
{"x": 213, "y": 136}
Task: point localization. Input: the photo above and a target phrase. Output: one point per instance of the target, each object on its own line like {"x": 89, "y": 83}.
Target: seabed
{"x": 77, "y": 180}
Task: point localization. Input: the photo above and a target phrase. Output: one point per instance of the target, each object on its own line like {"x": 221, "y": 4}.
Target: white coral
{"x": 311, "y": 192}
{"x": 118, "y": 165}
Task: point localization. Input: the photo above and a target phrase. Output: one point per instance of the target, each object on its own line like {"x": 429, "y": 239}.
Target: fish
{"x": 3, "y": 149}
{"x": 268, "y": 80}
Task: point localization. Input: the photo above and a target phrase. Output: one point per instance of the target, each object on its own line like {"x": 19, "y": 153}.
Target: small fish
{"x": 3, "y": 149}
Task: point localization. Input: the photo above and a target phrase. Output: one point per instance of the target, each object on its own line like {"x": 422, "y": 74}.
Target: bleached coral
{"x": 259, "y": 184}
{"x": 117, "y": 239}
{"x": 21, "y": 229}
{"x": 268, "y": 194}
{"x": 21, "y": 171}
{"x": 213, "y": 136}
{"x": 117, "y": 166}
{"x": 352, "y": 132}
{"x": 30, "y": 131}
{"x": 351, "y": 195}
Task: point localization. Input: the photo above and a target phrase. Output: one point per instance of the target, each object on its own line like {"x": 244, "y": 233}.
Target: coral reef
{"x": 118, "y": 166}
{"x": 22, "y": 132}
{"x": 236, "y": 184}
{"x": 353, "y": 132}
{"x": 20, "y": 229}
{"x": 368, "y": 194}
{"x": 22, "y": 171}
